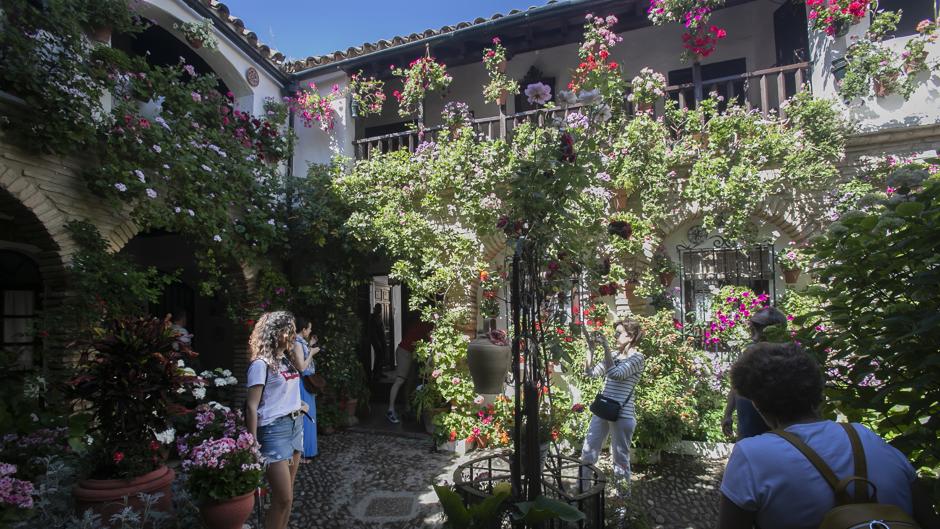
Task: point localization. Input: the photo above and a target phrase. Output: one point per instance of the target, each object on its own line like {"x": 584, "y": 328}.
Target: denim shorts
{"x": 281, "y": 438}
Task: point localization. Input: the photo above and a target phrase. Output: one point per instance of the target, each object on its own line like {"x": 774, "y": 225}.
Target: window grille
{"x": 712, "y": 263}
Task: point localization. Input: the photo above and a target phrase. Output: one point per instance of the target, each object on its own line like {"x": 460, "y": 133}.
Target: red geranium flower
{"x": 118, "y": 456}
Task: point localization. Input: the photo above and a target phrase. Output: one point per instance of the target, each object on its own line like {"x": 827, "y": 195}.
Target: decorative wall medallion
{"x": 697, "y": 234}
{"x": 251, "y": 75}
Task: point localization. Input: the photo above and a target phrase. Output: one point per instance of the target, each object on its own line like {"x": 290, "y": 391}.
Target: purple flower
{"x": 120, "y": 187}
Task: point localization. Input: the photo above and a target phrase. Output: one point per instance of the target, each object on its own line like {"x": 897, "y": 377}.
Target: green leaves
{"x": 544, "y": 509}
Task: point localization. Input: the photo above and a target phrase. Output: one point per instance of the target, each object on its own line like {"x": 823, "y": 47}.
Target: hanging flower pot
{"x": 227, "y": 514}
{"x": 791, "y": 276}
{"x": 620, "y": 228}
{"x": 106, "y": 497}
{"x": 883, "y": 85}
{"x": 503, "y": 98}
{"x": 665, "y": 278}
{"x": 488, "y": 363}
{"x": 502, "y": 65}
{"x": 194, "y": 43}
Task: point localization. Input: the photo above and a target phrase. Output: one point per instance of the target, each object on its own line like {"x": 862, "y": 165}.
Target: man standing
{"x": 417, "y": 332}
{"x": 750, "y": 423}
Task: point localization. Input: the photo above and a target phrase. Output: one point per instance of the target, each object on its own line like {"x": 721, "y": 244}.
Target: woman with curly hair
{"x": 274, "y": 409}
{"x": 621, "y": 373}
{"x": 769, "y": 483}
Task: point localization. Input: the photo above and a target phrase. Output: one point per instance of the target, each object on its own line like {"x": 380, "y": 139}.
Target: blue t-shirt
{"x": 768, "y": 475}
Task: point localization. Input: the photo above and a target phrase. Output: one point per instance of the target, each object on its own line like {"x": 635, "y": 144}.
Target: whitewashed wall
{"x": 750, "y": 35}
{"x": 229, "y": 61}
{"x": 315, "y": 145}
{"x": 923, "y": 107}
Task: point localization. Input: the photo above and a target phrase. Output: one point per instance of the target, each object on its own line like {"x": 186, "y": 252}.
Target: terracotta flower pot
{"x": 227, "y": 514}
{"x": 351, "y": 406}
{"x": 791, "y": 276}
{"x": 503, "y": 98}
{"x": 883, "y": 88}
{"x": 106, "y": 497}
{"x": 501, "y": 67}
{"x": 194, "y": 43}
{"x": 488, "y": 365}
{"x": 665, "y": 278}
{"x": 644, "y": 107}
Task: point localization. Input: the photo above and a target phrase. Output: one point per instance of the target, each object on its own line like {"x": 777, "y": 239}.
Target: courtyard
{"x": 578, "y": 264}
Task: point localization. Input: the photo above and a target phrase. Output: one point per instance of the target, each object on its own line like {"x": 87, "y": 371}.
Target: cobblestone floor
{"x": 372, "y": 481}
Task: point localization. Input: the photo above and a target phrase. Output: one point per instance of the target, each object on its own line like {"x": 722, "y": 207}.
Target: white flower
{"x": 567, "y": 98}
{"x": 199, "y": 393}
{"x": 219, "y": 382}
{"x": 217, "y": 238}
{"x": 191, "y": 212}
{"x": 216, "y": 406}
{"x": 166, "y": 437}
{"x": 140, "y": 175}
{"x": 120, "y": 187}
{"x": 206, "y": 168}
{"x": 589, "y": 97}
{"x": 157, "y": 149}
{"x": 478, "y": 400}
{"x": 603, "y": 113}
{"x": 151, "y": 193}
{"x": 34, "y": 417}
{"x": 177, "y": 209}
{"x": 538, "y": 93}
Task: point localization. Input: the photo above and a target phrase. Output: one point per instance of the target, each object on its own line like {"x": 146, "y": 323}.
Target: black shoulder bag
{"x": 607, "y": 408}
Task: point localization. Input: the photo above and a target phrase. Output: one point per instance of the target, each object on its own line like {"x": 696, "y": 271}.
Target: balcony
{"x": 763, "y": 90}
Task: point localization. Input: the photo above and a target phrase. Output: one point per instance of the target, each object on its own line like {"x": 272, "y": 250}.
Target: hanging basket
{"x": 194, "y": 43}
{"x": 791, "y": 276}
{"x": 503, "y": 98}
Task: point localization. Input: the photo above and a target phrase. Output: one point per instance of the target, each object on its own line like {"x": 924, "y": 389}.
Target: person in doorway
{"x": 274, "y": 411}
{"x": 621, "y": 374}
{"x": 417, "y": 332}
{"x": 380, "y": 359}
{"x": 750, "y": 422}
{"x": 178, "y": 322}
{"x": 769, "y": 483}
{"x": 304, "y": 351}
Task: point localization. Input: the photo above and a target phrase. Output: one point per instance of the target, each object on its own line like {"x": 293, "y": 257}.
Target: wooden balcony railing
{"x": 763, "y": 90}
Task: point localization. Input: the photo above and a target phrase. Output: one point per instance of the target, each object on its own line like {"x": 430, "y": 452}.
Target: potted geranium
{"x": 664, "y": 267}
{"x": 125, "y": 380}
{"x": 835, "y": 16}
{"x": 420, "y": 77}
{"x": 501, "y": 86}
{"x": 455, "y": 115}
{"x": 314, "y": 107}
{"x": 368, "y": 95}
{"x": 647, "y": 87}
{"x": 222, "y": 463}
{"x": 792, "y": 263}
{"x": 198, "y": 34}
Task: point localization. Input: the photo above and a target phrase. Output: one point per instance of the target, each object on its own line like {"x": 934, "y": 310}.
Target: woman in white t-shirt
{"x": 274, "y": 409}
{"x": 769, "y": 483}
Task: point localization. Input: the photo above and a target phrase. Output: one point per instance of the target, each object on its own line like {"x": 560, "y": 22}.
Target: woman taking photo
{"x": 303, "y": 359}
{"x": 621, "y": 375}
{"x": 274, "y": 411}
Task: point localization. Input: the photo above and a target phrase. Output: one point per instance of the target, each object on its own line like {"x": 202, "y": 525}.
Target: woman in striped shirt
{"x": 622, "y": 374}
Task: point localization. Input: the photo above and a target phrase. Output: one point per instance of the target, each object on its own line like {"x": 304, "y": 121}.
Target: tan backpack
{"x": 860, "y": 511}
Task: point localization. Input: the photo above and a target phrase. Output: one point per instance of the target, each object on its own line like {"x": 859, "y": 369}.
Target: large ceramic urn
{"x": 489, "y": 362}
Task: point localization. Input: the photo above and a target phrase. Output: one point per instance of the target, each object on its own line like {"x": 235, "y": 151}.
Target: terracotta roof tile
{"x": 371, "y": 47}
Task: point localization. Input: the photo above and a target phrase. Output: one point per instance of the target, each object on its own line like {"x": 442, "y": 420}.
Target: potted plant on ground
{"x": 223, "y": 469}
{"x": 124, "y": 382}
{"x": 792, "y": 263}
{"x": 198, "y": 34}
{"x": 488, "y": 356}
{"x": 501, "y": 86}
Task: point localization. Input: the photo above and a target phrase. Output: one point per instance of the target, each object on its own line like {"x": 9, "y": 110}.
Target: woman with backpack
{"x": 621, "y": 375}
{"x": 789, "y": 478}
{"x": 274, "y": 411}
